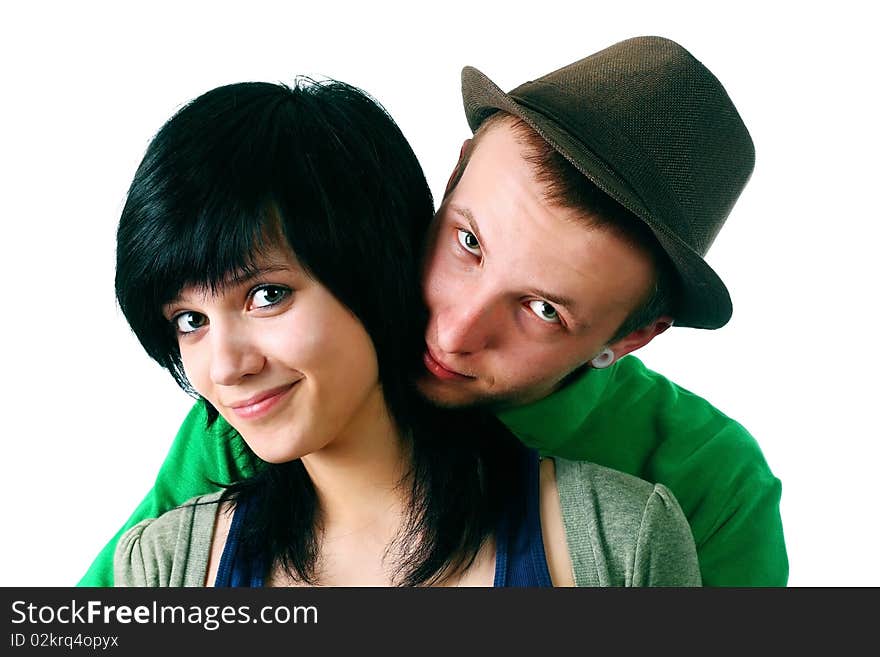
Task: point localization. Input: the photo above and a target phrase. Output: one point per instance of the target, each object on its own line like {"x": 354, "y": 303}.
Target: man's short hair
{"x": 565, "y": 186}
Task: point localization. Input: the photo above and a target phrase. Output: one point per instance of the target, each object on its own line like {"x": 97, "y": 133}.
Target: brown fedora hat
{"x": 655, "y": 130}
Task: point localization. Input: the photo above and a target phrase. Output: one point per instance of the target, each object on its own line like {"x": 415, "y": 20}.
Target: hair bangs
{"x": 200, "y": 210}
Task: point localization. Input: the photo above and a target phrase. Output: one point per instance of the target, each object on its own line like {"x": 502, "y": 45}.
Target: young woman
{"x": 267, "y": 256}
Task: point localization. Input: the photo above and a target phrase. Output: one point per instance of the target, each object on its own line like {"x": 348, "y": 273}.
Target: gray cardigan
{"x": 621, "y": 531}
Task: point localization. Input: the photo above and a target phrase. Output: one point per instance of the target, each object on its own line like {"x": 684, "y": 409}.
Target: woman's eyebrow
{"x": 239, "y": 278}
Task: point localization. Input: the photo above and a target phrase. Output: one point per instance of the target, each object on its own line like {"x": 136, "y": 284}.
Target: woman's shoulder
{"x": 612, "y": 491}
{"x": 171, "y": 550}
{"x": 621, "y": 530}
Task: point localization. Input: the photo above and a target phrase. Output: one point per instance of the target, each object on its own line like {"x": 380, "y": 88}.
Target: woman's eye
{"x": 469, "y": 242}
{"x": 268, "y": 295}
{"x": 544, "y": 311}
{"x": 189, "y": 321}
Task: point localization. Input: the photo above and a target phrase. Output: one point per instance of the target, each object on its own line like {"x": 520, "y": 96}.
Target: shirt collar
{"x": 550, "y": 422}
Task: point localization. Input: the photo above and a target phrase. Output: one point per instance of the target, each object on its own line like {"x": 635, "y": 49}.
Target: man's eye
{"x": 268, "y": 295}
{"x": 544, "y": 311}
{"x": 189, "y": 321}
{"x": 469, "y": 242}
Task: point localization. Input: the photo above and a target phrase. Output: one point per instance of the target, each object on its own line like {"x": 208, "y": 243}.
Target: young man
{"x": 572, "y": 233}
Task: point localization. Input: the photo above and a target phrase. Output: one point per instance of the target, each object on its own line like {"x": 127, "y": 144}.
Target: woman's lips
{"x": 442, "y": 372}
{"x": 260, "y": 404}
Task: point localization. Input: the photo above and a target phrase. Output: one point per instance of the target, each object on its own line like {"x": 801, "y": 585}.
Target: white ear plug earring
{"x": 604, "y": 359}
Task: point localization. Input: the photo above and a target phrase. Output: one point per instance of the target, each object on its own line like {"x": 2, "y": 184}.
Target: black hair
{"x": 323, "y": 166}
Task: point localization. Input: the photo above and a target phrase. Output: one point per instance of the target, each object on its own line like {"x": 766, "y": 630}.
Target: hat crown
{"x": 659, "y": 120}
{"x": 655, "y": 130}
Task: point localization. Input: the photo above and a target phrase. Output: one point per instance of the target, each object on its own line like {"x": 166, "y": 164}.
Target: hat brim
{"x": 704, "y": 301}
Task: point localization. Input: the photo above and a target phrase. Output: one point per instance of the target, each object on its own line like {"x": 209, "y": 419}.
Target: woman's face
{"x": 281, "y": 359}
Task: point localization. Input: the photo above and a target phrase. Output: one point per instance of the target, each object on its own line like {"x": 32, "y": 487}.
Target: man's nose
{"x": 234, "y": 354}
{"x": 470, "y": 326}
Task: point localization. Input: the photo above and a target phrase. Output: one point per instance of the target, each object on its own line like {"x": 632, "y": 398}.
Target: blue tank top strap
{"x": 235, "y": 568}
{"x": 520, "y": 559}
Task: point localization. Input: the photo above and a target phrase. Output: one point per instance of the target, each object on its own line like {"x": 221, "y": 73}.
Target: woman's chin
{"x": 273, "y": 453}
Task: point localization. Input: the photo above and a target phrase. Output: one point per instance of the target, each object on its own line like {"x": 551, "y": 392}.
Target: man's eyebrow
{"x": 567, "y": 302}
{"x": 472, "y": 223}
{"x": 555, "y": 298}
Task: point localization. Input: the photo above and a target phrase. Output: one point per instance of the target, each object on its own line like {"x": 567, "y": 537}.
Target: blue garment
{"x": 520, "y": 560}
{"x": 235, "y": 568}
{"x": 519, "y": 545}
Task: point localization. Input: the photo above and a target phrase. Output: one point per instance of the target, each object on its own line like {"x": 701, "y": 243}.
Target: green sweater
{"x": 625, "y": 417}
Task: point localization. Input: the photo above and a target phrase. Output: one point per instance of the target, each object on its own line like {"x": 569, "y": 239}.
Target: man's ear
{"x": 640, "y": 337}
{"x": 456, "y": 170}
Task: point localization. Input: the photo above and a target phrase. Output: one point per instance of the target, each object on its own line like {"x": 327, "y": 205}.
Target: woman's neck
{"x": 361, "y": 477}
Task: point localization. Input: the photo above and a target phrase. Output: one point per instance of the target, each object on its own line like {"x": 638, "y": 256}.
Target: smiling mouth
{"x": 441, "y": 371}
{"x": 259, "y": 405}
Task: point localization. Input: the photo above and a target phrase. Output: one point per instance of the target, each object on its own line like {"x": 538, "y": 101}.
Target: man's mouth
{"x": 442, "y": 371}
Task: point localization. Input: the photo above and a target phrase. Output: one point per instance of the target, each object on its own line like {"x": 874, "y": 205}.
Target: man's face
{"x": 520, "y": 292}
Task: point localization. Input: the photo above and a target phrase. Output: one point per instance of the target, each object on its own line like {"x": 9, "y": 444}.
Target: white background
{"x": 87, "y": 418}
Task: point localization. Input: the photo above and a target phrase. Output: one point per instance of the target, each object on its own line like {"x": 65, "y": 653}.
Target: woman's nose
{"x": 234, "y": 354}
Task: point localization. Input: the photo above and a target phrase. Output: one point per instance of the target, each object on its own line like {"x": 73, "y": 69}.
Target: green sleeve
{"x": 631, "y": 419}
{"x": 200, "y": 458}
{"x": 747, "y": 546}
{"x": 731, "y": 499}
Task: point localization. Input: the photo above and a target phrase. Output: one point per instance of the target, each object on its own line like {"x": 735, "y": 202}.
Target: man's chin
{"x": 450, "y": 394}
{"x": 466, "y": 394}
{"x": 447, "y": 394}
